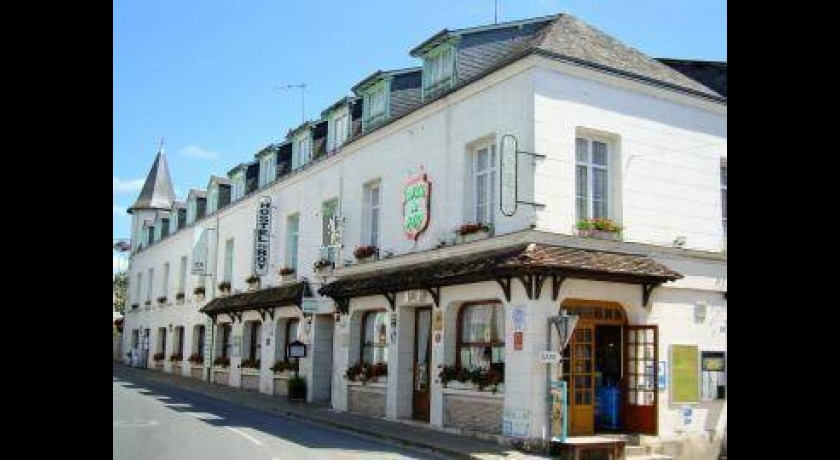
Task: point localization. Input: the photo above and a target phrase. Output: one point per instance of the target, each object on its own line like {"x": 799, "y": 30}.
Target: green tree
{"x": 120, "y": 291}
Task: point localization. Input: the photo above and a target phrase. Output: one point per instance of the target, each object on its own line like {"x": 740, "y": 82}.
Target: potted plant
{"x": 176, "y": 358}
{"x": 135, "y": 305}
{"x": 179, "y": 298}
{"x": 473, "y": 231}
{"x": 283, "y": 366}
{"x": 297, "y": 389}
{"x": 162, "y": 299}
{"x": 250, "y": 363}
{"x": 380, "y": 372}
{"x": 195, "y": 359}
{"x": 221, "y": 361}
{"x": 365, "y": 253}
{"x": 148, "y": 302}
{"x": 253, "y": 282}
{"x": 599, "y": 227}
{"x": 224, "y": 287}
{"x": 287, "y": 275}
{"x": 322, "y": 264}
{"x": 159, "y": 356}
{"x": 199, "y": 292}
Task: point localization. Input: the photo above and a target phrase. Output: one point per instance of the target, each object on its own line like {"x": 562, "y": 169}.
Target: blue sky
{"x": 203, "y": 74}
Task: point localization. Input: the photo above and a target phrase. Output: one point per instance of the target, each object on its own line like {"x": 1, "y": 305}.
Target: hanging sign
{"x": 416, "y": 205}
{"x": 262, "y": 243}
{"x": 549, "y": 357}
{"x": 208, "y": 343}
{"x": 508, "y": 175}
{"x": 517, "y": 341}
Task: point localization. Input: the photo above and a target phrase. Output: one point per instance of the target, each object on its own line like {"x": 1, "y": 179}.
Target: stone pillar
{"x": 236, "y": 351}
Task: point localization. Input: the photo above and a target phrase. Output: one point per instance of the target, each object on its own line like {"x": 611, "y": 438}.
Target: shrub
{"x": 196, "y": 358}
{"x": 362, "y": 252}
{"x": 221, "y": 361}
{"x": 470, "y": 228}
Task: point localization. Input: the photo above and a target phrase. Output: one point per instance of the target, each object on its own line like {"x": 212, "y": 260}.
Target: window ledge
{"x": 368, "y": 384}
{"x": 475, "y": 393}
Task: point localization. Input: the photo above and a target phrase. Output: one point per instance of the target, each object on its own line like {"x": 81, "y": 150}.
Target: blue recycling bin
{"x": 609, "y": 403}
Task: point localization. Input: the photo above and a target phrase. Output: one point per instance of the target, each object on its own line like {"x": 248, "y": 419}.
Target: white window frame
{"x": 151, "y": 284}
{"x": 165, "y": 286}
{"x": 373, "y": 213}
{"x": 379, "y": 90}
{"x": 302, "y": 151}
{"x": 228, "y": 274}
{"x": 212, "y": 199}
{"x": 292, "y": 240}
{"x": 591, "y": 167}
{"x": 338, "y": 129}
{"x": 329, "y": 205}
{"x": 138, "y": 299}
{"x": 238, "y": 186}
{"x": 192, "y": 210}
{"x": 439, "y": 66}
{"x": 489, "y": 177}
{"x": 268, "y": 169}
{"x": 182, "y": 276}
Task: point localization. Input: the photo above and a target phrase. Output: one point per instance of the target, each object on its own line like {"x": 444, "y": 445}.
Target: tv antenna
{"x": 302, "y": 87}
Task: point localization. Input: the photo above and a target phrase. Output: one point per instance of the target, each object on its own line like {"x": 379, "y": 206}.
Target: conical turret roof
{"x": 157, "y": 191}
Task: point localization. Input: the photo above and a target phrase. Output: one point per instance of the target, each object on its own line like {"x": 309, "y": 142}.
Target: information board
{"x": 685, "y": 374}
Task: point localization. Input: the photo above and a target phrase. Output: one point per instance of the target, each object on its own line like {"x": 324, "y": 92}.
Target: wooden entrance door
{"x": 422, "y": 358}
{"x": 582, "y": 381}
{"x": 641, "y": 396}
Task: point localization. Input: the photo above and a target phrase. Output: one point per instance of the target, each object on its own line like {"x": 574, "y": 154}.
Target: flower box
{"x": 253, "y": 282}
{"x": 199, "y": 293}
{"x": 470, "y": 232}
{"x": 599, "y": 234}
{"x": 600, "y": 227}
{"x": 366, "y": 253}
{"x": 288, "y": 279}
{"x": 323, "y": 266}
{"x": 179, "y": 298}
{"x": 224, "y": 287}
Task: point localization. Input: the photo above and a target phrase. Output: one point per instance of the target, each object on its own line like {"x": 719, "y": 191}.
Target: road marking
{"x": 204, "y": 415}
{"x": 161, "y": 397}
{"x": 245, "y": 435}
{"x": 135, "y": 424}
{"x": 178, "y": 405}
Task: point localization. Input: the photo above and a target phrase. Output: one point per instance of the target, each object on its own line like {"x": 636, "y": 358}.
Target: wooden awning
{"x": 530, "y": 263}
{"x": 262, "y": 301}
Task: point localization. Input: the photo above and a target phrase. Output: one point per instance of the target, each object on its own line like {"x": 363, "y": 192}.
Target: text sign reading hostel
{"x": 262, "y": 240}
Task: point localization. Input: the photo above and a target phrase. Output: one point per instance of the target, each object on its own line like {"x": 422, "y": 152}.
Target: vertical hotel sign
{"x": 416, "y": 203}
{"x": 262, "y": 241}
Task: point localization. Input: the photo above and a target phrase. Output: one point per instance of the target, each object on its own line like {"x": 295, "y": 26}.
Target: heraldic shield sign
{"x": 416, "y": 203}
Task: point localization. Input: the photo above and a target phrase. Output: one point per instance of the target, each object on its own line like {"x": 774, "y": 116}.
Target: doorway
{"x": 421, "y": 404}
{"x": 610, "y": 371}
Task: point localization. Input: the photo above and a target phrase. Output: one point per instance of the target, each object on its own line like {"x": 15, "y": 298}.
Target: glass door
{"x": 641, "y": 393}
{"x": 422, "y": 352}
{"x": 581, "y": 381}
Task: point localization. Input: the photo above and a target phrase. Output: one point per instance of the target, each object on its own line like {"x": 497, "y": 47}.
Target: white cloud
{"x": 198, "y": 152}
{"x": 128, "y": 185}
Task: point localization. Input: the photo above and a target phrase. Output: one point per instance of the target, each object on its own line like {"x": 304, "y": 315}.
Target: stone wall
{"x": 474, "y": 413}
{"x": 197, "y": 373}
{"x": 221, "y": 377}
{"x": 251, "y": 382}
{"x": 366, "y": 400}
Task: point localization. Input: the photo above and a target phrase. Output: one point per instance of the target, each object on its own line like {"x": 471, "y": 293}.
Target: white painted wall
{"x": 668, "y": 154}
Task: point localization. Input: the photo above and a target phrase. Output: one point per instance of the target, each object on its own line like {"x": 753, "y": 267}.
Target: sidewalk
{"x": 443, "y": 443}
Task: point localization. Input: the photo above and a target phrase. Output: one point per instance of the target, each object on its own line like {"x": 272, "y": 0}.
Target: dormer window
{"x": 267, "y": 169}
{"x": 238, "y": 185}
{"x": 302, "y": 150}
{"x": 173, "y": 221}
{"x": 191, "y": 211}
{"x": 213, "y": 199}
{"x": 438, "y": 70}
{"x": 339, "y": 129}
{"x": 375, "y": 105}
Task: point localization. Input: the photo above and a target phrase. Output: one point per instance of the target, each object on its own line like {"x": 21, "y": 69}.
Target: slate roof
{"x": 571, "y": 38}
{"x": 290, "y": 294}
{"x": 157, "y": 192}
{"x": 518, "y": 260}
{"x": 709, "y": 73}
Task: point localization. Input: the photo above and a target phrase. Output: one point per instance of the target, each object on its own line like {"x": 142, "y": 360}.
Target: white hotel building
{"x": 523, "y": 129}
